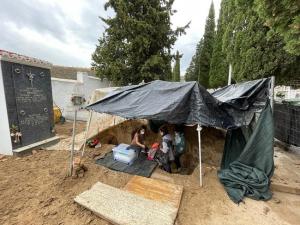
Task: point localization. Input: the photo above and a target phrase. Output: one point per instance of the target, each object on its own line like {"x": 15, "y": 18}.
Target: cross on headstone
{"x": 30, "y": 77}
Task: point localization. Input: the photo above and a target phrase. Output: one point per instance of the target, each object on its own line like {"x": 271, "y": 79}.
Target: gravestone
{"x": 26, "y": 105}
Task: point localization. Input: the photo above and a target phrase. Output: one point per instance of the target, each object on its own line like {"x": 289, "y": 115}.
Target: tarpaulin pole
{"x": 229, "y": 74}
{"x": 199, "y": 128}
{"x": 86, "y": 132}
{"x": 272, "y": 92}
{"x": 73, "y": 142}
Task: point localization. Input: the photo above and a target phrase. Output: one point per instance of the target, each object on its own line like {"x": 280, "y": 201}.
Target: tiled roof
{"x": 22, "y": 59}
{"x": 64, "y": 72}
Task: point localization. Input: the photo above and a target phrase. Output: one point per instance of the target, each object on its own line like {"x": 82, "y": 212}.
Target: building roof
{"x": 64, "y": 72}
{"x": 22, "y": 59}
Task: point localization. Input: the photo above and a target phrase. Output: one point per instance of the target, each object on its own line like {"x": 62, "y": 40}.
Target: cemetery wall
{"x": 64, "y": 89}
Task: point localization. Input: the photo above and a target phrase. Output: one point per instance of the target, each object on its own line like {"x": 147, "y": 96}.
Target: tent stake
{"x": 199, "y": 128}
{"x": 86, "y": 132}
{"x": 73, "y": 142}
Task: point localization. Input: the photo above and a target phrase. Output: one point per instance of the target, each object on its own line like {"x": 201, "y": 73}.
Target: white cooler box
{"x": 124, "y": 155}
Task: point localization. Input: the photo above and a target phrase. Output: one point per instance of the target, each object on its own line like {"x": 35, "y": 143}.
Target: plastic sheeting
{"x": 187, "y": 103}
{"x": 141, "y": 166}
{"x": 247, "y": 163}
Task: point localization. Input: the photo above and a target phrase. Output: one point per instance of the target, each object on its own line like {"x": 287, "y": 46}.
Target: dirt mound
{"x": 35, "y": 189}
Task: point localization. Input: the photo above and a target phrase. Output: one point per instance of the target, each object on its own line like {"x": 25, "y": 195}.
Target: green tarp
{"x": 247, "y": 163}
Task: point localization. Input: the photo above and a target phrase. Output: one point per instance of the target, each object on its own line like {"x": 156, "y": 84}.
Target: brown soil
{"x": 35, "y": 190}
{"x": 65, "y": 130}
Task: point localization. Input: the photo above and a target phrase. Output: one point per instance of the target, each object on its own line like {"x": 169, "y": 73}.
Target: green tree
{"x": 137, "y": 42}
{"x": 282, "y": 17}
{"x": 252, "y": 54}
{"x": 194, "y": 67}
{"x": 207, "y": 49}
{"x": 219, "y": 66}
{"x": 190, "y": 71}
{"x": 169, "y": 76}
{"x": 176, "y": 70}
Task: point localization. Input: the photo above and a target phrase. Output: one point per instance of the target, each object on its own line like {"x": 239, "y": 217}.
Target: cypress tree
{"x": 219, "y": 66}
{"x": 194, "y": 67}
{"x": 190, "y": 71}
{"x": 207, "y": 49}
{"x": 137, "y": 42}
{"x": 282, "y": 17}
{"x": 176, "y": 71}
{"x": 169, "y": 76}
{"x": 252, "y": 54}
{"x": 199, "y": 50}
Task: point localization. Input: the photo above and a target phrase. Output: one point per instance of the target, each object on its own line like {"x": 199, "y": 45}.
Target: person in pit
{"x": 166, "y": 156}
{"x": 138, "y": 139}
{"x": 179, "y": 145}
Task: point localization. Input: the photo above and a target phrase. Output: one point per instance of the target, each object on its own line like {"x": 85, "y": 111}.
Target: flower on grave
{"x": 15, "y": 133}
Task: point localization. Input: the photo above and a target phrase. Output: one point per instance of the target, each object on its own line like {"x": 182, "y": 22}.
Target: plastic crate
{"x": 124, "y": 154}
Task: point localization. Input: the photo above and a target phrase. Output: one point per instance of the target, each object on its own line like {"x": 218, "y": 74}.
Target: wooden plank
{"x": 158, "y": 174}
{"x": 123, "y": 207}
{"x": 155, "y": 190}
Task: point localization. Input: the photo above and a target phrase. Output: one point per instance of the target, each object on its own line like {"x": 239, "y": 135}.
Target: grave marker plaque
{"x": 27, "y": 98}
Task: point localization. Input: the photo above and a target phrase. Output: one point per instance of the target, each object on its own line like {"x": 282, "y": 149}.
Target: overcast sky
{"x": 65, "y": 32}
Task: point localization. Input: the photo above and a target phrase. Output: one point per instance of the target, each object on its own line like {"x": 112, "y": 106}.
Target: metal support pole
{"x": 86, "y": 132}
{"x": 73, "y": 142}
{"x": 272, "y": 92}
{"x": 199, "y": 128}
{"x": 229, "y": 74}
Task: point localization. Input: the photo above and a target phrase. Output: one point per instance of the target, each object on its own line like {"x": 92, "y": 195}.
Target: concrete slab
{"x": 123, "y": 207}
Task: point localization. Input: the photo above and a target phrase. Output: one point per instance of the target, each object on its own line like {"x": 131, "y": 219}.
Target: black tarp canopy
{"x": 187, "y": 103}
{"x": 247, "y": 163}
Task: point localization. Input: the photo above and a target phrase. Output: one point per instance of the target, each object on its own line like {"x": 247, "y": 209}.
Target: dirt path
{"x": 35, "y": 190}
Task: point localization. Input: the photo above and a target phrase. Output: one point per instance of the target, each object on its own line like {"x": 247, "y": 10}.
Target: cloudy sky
{"x": 65, "y": 32}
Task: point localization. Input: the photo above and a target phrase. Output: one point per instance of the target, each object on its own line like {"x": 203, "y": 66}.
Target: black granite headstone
{"x": 29, "y": 101}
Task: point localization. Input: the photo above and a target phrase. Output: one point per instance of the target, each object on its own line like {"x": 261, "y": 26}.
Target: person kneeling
{"x": 166, "y": 153}
{"x": 138, "y": 140}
